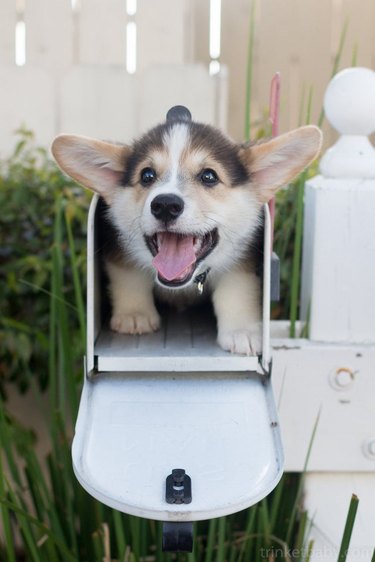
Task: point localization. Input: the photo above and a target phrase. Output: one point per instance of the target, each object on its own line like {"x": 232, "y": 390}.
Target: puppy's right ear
{"x": 95, "y": 164}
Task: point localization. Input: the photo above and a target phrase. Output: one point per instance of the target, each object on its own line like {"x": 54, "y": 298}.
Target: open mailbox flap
{"x": 150, "y": 406}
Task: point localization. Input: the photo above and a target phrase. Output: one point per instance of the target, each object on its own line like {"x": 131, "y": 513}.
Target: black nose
{"x": 167, "y": 207}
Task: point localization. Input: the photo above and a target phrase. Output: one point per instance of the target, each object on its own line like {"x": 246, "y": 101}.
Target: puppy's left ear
{"x": 275, "y": 163}
{"x": 95, "y": 164}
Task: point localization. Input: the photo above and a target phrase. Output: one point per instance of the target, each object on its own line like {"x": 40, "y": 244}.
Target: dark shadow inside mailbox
{"x": 174, "y": 401}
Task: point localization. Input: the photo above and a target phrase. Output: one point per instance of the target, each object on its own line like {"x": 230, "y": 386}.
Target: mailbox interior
{"x": 186, "y": 341}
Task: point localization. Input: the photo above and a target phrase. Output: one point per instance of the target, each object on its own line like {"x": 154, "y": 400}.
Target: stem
{"x": 249, "y": 71}
{"x": 296, "y": 273}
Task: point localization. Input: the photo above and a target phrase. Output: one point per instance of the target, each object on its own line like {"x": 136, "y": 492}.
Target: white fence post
{"x": 338, "y": 277}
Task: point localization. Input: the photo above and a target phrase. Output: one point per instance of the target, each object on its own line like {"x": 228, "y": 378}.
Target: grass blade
{"x": 353, "y": 506}
{"x": 275, "y": 505}
{"x": 221, "y": 540}
{"x": 212, "y": 527}
{"x": 246, "y": 546}
{"x": 298, "y": 236}
{"x": 354, "y": 61}
{"x": 298, "y": 545}
{"x": 76, "y": 280}
{"x": 24, "y": 520}
{"x": 6, "y": 443}
{"x": 135, "y": 526}
{"x": 301, "y": 483}
{"x": 297, "y": 252}
{"x": 119, "y": 534}
{"x": 309, "y": 551}
{"x": 6, "y": 523}
{"x": 249, "y": 71}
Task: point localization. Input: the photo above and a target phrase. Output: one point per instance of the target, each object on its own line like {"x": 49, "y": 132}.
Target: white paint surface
{"x": 339, "y": 259}
{"x": 327, "y": 498}
{"x": 338, "y": 276}
{"x": 133, "y": 430}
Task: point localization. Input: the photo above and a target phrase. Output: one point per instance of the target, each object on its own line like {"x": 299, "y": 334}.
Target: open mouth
{"x": 177, "y": 255}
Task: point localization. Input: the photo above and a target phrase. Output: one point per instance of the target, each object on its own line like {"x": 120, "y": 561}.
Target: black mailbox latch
{"x": 178, "y": 487}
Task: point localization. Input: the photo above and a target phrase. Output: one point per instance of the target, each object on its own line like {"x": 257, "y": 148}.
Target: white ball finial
{"x": 349, "y": 101}
{"x": 349, "y": 104}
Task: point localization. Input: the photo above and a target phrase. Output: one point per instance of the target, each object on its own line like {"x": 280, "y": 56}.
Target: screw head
{"x": 368, "y": 449}
{"x": 341, "y": 378}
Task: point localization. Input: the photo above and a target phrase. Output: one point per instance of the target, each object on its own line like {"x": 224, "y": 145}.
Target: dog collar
{"x": 201, "y": 279}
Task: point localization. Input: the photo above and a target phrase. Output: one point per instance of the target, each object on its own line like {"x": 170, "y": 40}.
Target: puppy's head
{"x": 185, "y": 197}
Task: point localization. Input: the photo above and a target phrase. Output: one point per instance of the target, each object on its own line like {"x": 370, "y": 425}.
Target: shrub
{"x": 31, "y": 191}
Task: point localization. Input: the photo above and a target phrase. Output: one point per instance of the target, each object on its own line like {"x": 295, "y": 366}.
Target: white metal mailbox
{"x": 174, "y": 400}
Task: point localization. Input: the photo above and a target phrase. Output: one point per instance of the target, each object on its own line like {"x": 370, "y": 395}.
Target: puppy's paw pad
{"x": 243, "y": 342}
{"x": 135, "y": 323}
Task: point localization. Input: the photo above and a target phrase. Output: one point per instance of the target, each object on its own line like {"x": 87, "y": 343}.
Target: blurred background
{"x": 112, "y": 68}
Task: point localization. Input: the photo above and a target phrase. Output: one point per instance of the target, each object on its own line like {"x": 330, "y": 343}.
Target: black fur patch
{"x": 141, "y": 149}
{"x": 108, "y": 236}
{"x": 202, "y": 136}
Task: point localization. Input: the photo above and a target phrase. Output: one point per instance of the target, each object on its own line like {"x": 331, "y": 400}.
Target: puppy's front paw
{"x": 243, "y": 342}
{"x": 135, "y": 322}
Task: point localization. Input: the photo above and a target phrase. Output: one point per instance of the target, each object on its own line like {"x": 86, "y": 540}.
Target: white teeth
{"x": 197, "y": 244}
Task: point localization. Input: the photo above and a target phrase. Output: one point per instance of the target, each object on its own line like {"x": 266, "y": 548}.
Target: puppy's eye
{"x": 209, "y": 177}
{"x": 148, "y": 176}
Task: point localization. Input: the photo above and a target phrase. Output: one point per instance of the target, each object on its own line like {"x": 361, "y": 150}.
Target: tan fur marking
{"x": 95, "y": 164}
{"x": 192, "y": 163}
{"x": 158, "y": 160}
{"x": 278, "y": 161}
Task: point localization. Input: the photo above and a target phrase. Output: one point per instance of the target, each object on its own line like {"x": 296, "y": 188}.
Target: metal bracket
{"x": 177, "y": 536}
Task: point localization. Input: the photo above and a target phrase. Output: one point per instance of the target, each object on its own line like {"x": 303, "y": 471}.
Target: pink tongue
{"x": 176, "y": 254}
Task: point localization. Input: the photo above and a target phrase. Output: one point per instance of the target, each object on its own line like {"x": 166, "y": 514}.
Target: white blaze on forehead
{"x": 176, "y": 140}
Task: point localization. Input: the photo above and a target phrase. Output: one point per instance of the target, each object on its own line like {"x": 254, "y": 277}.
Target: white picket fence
{"x": 74, "y": 73}
{"x": 75, "y": 77}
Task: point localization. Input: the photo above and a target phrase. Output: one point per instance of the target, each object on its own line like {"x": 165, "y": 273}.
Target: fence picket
{"x": 8, "y": 18}
{"x": 102, "y": 29}
{"x": 29, "y": 100}
{"x": 49, "y": 34}
{"x": 99, "y": 101}
{"x": 297, "y": 38}
{"x": 162, "y": 34}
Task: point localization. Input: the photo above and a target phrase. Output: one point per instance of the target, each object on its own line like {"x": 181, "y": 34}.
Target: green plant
{"x": 31, "y": 189}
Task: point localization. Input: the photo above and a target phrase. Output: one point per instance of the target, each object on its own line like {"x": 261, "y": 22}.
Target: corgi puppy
{"x": 183, "y": 206}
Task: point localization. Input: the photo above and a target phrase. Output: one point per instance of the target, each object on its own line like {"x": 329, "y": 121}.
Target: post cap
{"x": 349, "y": 104}
{"x": 349, "y": 101}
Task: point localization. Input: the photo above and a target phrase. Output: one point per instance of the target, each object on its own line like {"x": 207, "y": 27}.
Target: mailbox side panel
{"x": 93, "y": 287}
